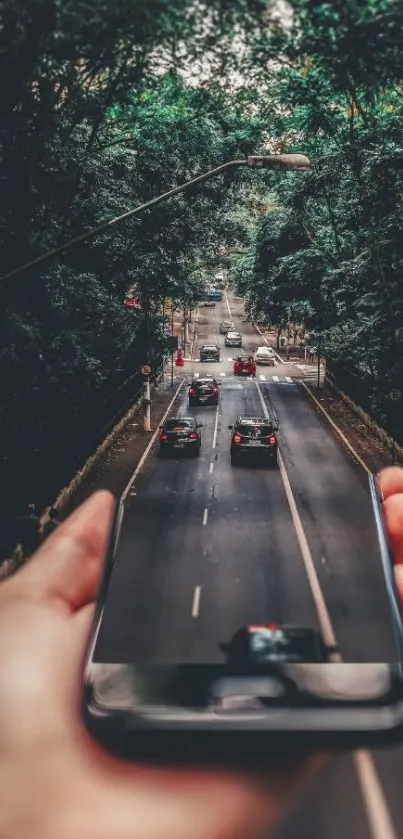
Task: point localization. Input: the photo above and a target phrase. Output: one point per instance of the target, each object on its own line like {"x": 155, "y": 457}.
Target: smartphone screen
{"x": 198, "y": 627}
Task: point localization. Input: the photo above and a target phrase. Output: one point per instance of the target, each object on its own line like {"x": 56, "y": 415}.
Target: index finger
{"x": 66, "y": 570}
{"x": 391, "y": 484}
{"x": 390, "y": 481}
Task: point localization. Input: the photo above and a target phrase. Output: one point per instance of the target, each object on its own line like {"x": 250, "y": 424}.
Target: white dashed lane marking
{"x": 196, "y": 602}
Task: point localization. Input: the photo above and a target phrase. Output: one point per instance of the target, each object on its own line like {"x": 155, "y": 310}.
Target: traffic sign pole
{"x": 146, "y": 370}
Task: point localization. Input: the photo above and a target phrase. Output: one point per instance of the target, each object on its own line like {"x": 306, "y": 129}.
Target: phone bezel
{"x": 134, "y": 736}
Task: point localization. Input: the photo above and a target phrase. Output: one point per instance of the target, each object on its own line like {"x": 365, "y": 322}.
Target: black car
{"x": 180, "y": 434}
{"x": 209, "y": 352}
{"x": 204, "y": 391}
{"x": 275, "y": 644}
{"x": 254, "y": 437}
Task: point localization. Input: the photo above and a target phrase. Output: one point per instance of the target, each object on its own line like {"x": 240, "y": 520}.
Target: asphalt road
{"x": 206, "y": 548}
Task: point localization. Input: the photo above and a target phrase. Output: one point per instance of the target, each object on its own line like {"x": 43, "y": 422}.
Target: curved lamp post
{"x": 284, "y": 162}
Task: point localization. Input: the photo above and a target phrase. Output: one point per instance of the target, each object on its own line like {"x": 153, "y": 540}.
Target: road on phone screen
{"x": 206, "y": 548}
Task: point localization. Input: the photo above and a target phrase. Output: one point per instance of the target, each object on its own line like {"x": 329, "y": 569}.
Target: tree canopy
{"x": 104, "y": 106}
{"x": 331, "y": 254}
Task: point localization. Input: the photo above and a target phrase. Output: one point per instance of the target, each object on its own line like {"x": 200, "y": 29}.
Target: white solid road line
{"x": 150, "y": 445}
{"x": 376, "y": 808}
{"x": 196, "y": 602}
{"x": 337, "y": 429}
{"x": 211, "y": 468}
{"x": 279, "y": 359}
{"x": 228, "y": 305}
{"x": 123, "y": 497}
{"x": 375, "y": 804}
{"x": 215, "y": 428}
{"x": 321, "y": 608}
{"x": 205, "y": 516}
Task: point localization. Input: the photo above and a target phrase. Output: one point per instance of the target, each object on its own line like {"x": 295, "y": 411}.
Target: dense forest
{"x": 328, "y": 253}
{"x": 108, "y": 104}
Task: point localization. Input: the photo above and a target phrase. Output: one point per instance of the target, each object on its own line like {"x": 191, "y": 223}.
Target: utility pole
{"x": 319, "y": 356}
{"x": 146, "y": 369}
{"x": 172, "y": 352}
{"x": 163, "y": 339}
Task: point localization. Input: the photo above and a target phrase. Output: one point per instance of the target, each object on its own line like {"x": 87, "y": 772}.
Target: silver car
{"x": 226, "y": 326}
{"x": 265, "y": 355}
{"x": 233, "y": 339}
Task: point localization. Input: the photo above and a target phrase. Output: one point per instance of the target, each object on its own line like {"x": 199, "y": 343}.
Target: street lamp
{"x": 297, "y": 162}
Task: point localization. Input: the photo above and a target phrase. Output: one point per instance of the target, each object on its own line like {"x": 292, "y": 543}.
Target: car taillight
{"x": 237, "y": 438}
{"x": 163, "y": 437}
{"x": 194, "y": 435}
{"x": 192, "y": 391}
{"x": 272, "y": 440}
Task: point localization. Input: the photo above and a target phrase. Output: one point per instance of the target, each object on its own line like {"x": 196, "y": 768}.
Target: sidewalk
{"x": 116, "y": 466}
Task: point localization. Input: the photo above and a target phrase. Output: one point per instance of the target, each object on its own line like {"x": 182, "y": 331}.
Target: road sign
{"x": 395, "y": 394}
{"x": 146, "y": 370}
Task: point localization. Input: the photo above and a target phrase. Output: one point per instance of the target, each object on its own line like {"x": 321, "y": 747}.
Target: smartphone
{"x": 270, "y": 689}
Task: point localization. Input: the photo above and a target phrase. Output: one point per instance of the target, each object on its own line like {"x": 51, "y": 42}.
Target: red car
{"x": 244, "y": 365}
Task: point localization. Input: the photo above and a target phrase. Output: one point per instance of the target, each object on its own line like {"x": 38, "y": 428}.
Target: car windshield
{"x": 174, "y": 424}
{"x": 274, "y": 644}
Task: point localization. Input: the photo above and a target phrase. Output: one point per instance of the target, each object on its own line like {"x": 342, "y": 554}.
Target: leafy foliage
{"x": 332, "y": 254}
{"x": 98, "y": 115}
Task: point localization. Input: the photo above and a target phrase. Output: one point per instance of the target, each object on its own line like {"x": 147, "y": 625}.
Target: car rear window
{"x": 208, "y": 347}
{"x": 203, "y": 383}
{"x": 178, "y": 423}
{"x": 254, "y": 430}
{"x": 291, "y": 646}
{"x": 245, "y": 359}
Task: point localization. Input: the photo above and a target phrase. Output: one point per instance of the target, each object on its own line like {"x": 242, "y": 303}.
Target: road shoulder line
{"x": 150, "y": 445}
{"x": 336, "y": 428}
{"x": 373, "y": 796}
{"x": 277, "y": 356}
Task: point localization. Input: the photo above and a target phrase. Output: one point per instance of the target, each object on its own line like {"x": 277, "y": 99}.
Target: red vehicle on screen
{"x": 244, "y": 365}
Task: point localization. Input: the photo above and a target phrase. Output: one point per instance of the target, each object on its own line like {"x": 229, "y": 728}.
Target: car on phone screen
{"x": 244, "y": 365}
{"x": 204, "y": 391}
{"x": 209, "y": 352}
{"x": 275, "y": 643}
{"x": 180, "y": 434}
{"x": 253, "y": 437}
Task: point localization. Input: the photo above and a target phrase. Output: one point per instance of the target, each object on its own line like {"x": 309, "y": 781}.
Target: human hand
{"x": 391, "y": 483}
{"x": 56, "y": 783}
